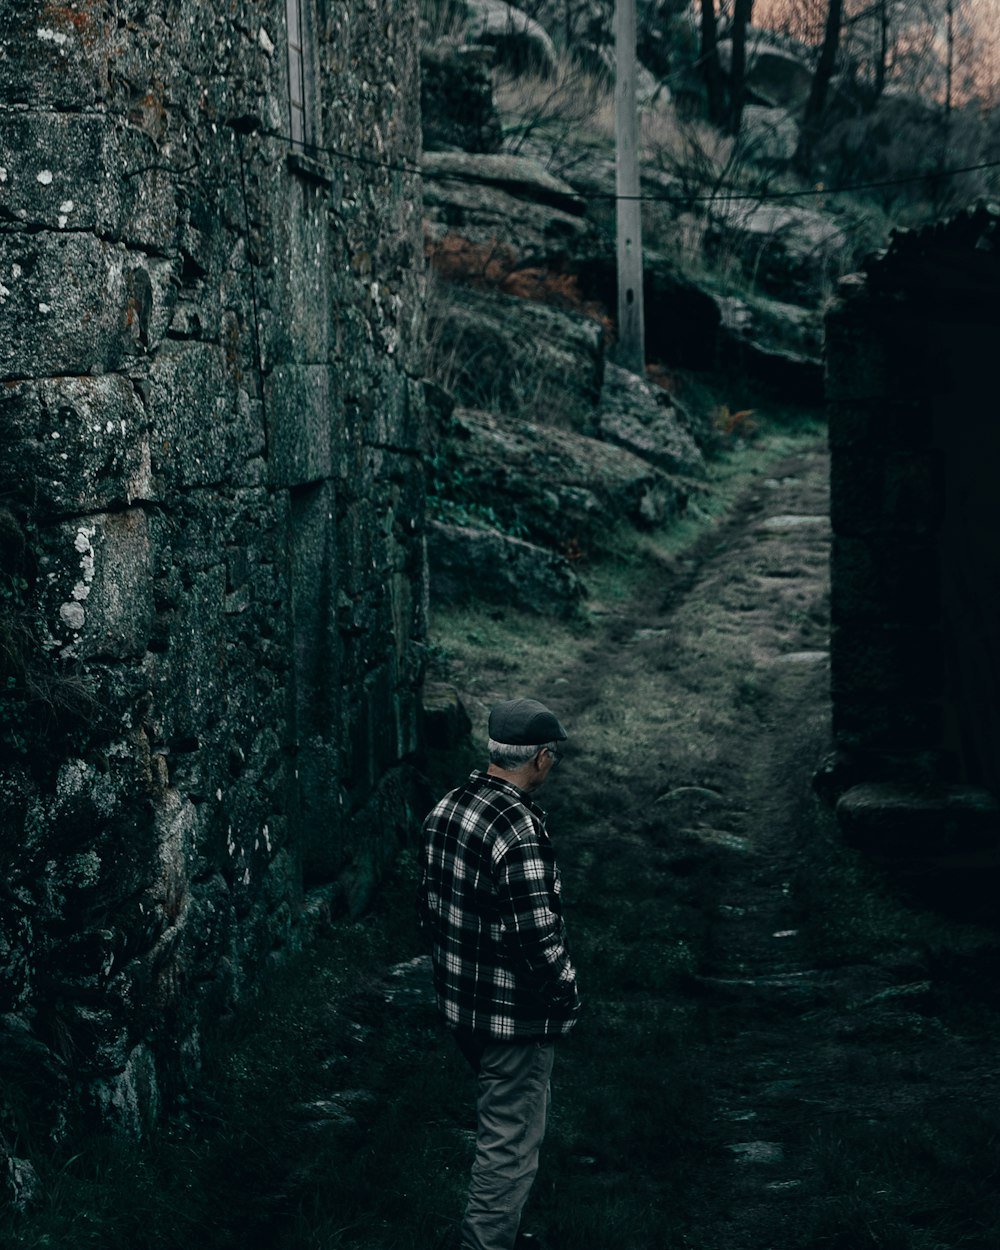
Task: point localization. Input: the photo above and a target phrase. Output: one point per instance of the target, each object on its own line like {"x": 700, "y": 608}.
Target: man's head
{"x": 524, "y": 722}
{"x": 524, "y": 738}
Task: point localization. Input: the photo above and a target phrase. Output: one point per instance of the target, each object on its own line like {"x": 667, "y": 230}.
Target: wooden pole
{"x": 631, "y": 352}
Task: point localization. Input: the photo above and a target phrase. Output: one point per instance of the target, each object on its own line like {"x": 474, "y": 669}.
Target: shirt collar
{"x": 480, "y": 778}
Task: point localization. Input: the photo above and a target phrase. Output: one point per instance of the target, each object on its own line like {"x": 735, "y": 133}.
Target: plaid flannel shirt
{"x": 490, "y": 904}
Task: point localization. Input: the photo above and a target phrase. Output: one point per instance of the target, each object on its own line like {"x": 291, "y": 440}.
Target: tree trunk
{"x": 820, "y": 85}
{"x": 882, "y": 68}
{"x": 710, "y": 63}
{"x": 950, "y": 62}
{"x": 742, "y": 10}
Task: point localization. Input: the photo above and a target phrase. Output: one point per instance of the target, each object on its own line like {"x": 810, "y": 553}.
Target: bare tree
{"x": 710, "y": 68}
{"x": 947, "y": 51}
{"x": 742, "y": 11}
{"x": 949, "y": 56}
{"x": 725, "y": 99}
{"x": 820, "y": 85}
{"x": 884, "y": 12}
{"x": 799, "y": 19}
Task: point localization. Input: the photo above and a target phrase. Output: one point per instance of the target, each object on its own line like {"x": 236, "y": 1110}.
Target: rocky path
{"x": 769, "y": 583}
{"x": 729, "y": 663}
{"x": 700, "y": 719}
{"x": 778, "y": 1052}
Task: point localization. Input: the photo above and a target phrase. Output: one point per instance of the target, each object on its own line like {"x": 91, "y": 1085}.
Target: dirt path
{"x": 719, "y": 684}
{"x": 699, "y": 721}
{"x": 777, "y": 1052}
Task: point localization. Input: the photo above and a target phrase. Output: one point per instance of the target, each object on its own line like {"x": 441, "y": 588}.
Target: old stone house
{"x": 915, "y": 441}
{"x": 212, "y": 597}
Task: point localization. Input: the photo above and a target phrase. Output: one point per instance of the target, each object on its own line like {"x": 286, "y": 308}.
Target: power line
{"x": 849, "y": 188}
{"x": 758, "y": 197}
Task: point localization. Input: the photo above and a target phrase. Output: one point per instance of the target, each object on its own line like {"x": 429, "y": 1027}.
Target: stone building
{"x": 212, "y": 589}
{"x": 915, "y": 444}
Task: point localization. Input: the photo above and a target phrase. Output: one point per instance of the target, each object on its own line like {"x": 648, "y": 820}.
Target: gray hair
{"x": 509, "y": 757}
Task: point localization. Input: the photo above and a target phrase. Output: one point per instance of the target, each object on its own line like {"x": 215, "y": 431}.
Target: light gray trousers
{"x": 512, "y": 1105}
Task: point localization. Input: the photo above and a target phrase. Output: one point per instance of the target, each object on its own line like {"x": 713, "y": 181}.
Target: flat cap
{"x": 524, "y": 722}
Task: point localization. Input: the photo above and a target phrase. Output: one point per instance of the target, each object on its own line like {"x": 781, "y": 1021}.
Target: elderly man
{"x": 502, "y": 971}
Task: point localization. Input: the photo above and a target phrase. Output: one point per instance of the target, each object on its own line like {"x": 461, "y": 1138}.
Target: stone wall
{"x": 915, "y": 444}
{"x": 212, "y": 597}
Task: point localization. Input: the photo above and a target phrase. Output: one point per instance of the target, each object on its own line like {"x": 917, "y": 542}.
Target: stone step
{"x": 903, "y": 820}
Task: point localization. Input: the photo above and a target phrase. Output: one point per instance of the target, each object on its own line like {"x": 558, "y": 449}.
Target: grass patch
{"x": 916, "y": 1168}
{"x": 264, "y": 1154}
{"x": 489, "y": 647}
{"x": 856, "y": 911}
{"x": 496, "y": 643}
{"x": 910, "y": 1184}
{"x": 248, "y": 1162}
{"x": 636, "y": 558}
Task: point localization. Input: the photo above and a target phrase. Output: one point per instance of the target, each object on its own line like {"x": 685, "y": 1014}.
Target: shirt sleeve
{"x": 530, "y": 918}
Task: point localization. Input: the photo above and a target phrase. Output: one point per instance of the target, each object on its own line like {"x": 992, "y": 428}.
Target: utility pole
{"x": 631, "y": 352}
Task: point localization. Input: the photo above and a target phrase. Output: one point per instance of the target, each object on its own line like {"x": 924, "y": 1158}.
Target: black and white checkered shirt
{"x": 490, "y": 903}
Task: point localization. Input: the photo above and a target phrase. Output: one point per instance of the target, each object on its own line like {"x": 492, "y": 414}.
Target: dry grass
{"x": 442, "y": 21}
{"x": 497, "y": 266}
{"x": 552, "y": 115}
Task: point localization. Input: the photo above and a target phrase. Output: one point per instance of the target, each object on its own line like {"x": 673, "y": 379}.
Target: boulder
{"x": 556, "y": 486}
{"x": 504, "y": 205}
{"x": 644, "y": 419}
{"x": 596, "y": 56}
{"x": 512, "y": 355}
{"x": 22, "y": 1185}
{"x": 585, "y": 31}
{"x": 456, "y": 100}
{"x": 776, "y": 76}
{"x": 776, "y": 344}
{"x": 484, "y": 564}
{"x": 793, "y": 253}
{"x": 774, "y": 324}
{"x": 770, "y": 135}
{"x": 690, "y": 325}
{"x": 519, "y": 41}
{"x": 695, "y": 326}
{"x": 788, "y": 374}
{"x": 519, "y": 175}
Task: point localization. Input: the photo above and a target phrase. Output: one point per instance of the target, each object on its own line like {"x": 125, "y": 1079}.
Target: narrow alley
{"x": 843, "y": 1041}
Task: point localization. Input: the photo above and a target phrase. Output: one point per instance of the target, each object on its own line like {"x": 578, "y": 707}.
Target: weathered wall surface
{"x": 886, "y": 499}
{"x": 915, "y": 590}
{"x": 212, "y": 587}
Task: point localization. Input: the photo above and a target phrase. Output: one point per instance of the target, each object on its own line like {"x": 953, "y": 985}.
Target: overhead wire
{"x": 246, "y": 126}
{"x": 731, "y": 196}
{"x": 313, "y": 149}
